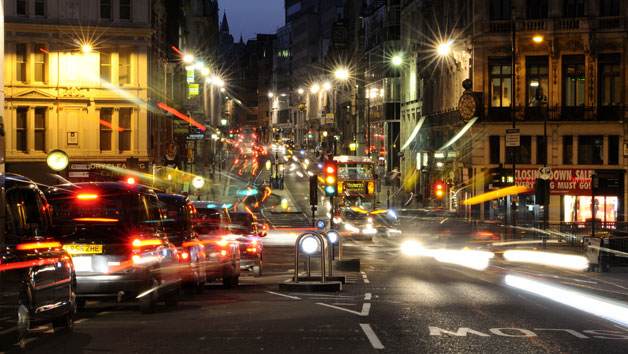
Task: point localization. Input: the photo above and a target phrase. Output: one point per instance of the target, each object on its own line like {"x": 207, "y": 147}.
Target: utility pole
{"x": 2, "y": 132}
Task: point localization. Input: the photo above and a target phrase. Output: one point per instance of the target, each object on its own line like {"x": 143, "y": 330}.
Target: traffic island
{"x": 335, "y": 278}
{"x": 346, "y": 265}
{"x": 311, "y": 286}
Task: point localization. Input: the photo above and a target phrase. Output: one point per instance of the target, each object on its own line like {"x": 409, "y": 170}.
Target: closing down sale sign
{"x": 569, "y": 181}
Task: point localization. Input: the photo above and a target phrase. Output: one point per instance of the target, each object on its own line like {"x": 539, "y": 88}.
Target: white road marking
{"x": 284, "y": 295}
{"x": 80, "y": 321}
{"x": 367, "y": 297}
{"x": 342, "y": 304}
{"x": 366, "y": 308}
{"x": 362, "y": 272}
{"x": 375, "y": 342}
{"x": 366, "y": 280}
{"x": 288, "y": 280}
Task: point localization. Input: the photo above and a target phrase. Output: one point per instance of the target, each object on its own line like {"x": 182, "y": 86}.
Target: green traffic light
{"x": 330, "y": 190}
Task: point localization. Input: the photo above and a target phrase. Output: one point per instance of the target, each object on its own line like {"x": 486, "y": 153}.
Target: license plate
{"x": 83, "y": 249}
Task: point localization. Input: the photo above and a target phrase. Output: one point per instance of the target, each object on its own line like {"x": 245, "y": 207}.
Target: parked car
{"x": 223, "y": 254}
{"x": 248, "y": 234}
{"x": 37, "y": 280}
{"x": 115, "y": 235}
{"x": 178, "y": 219}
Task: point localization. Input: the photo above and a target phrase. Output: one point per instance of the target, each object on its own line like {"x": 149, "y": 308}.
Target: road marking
{"x": 9, "y": 330}
{"x": 367, "y": 297}
{"x": 342, "y": 304}
{"x": 80, "y": 321}
{"x": 288, "y": 280}
{"x": 375, "y": 342}
{"x": 284, "y": 295}
{"x": 366, "y": 280}
{"x": 103, "y": 313}
{"x": 366, "y": 308}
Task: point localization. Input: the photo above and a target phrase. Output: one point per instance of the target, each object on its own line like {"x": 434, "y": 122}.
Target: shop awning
{"x": 459, "y": 135}
{"x": 414, "y": 133}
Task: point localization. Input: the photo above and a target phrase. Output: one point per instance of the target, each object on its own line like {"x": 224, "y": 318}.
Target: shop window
{"x": 536, "y": 8}
{"x": 500, "y": 10}
{"x": 501, "y": 78}
{"x": 494, "y": 148}
{"x": 522, "y": 153}
{"x": 125, "y": 129}
{"x": 20, "y": 129}
{"x": 105, "y": 9}
{"x": 40, "y": 128}
{"x": 574, "y": 8}
{"x": 124, "y": 66}
{"x": 613, "y": 149}
{"x": 574, "y": 81}
{"x": 609, "y": 7}
{"x": 20, "y": 62}
{"x": 541, "y": 149}
{"x": 39, "y": 58}
{"x": 590, "y": 149}
{"x": 106, "y": 115}
{"x": 40, "y": 7}
{"x": 568, "y": 150}
{"x": 578, "y": 209}
{"x": 537, "y": 72}
{"x": 125, "y": 9}
{"x": 105, "y": 65}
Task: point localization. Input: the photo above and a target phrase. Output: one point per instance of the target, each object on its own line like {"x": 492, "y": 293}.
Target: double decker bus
{"x": 356, "y": 181}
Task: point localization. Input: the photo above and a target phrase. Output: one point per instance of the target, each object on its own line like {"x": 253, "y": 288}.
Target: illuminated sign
{"x": 193, "y": 89}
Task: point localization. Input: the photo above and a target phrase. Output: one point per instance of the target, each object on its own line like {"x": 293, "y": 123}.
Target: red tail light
{"x": 252, "y": 250}
{"x": 185, "y": 256}
{"x": 86, "y": 196}
{"x": 223, "y": 253}
{"x": 37, "y": 245}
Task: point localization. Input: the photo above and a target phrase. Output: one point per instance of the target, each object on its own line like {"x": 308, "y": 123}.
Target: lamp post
{"x": 342, "y": 75}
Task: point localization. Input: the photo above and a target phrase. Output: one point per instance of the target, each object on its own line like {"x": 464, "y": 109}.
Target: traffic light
{"x": 331, "y": 178}
{"x": 309, "y": 134}
{"x": 439, "y": 189}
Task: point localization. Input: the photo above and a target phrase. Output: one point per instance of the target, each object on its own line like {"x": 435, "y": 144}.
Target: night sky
{"x": 250, "y": 17}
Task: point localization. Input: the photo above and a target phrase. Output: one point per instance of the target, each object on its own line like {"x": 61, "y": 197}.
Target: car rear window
{"x": 208, "y": 220}
{"x": 91, "y": 207}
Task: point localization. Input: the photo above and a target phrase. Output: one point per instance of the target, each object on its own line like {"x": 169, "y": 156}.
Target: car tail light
{"x": 146, "y": 242}
{"x": 87, "y": 196}
{"x": 96, "y": 219}
{"x": 37, "y": 245}
{"x": 222, "y": 242}
{"x": 223, "y": 253}
{"x": 252, "y": 249}
{"x": 185, "y": 256}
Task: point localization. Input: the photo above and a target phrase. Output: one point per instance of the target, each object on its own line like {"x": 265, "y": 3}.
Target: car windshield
{"x": 208, "y": 220}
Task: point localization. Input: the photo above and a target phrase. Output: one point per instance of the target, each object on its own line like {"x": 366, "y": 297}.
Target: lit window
{"x": 124, "y": 66}
{"x": 20, "y": 62}
{"x": 105, "y": 128}
{"x": 40, "y": 129}
{"x": 124, "y": 140}
{"x": 105, "y": 65}
{"x": 39, "y": 58}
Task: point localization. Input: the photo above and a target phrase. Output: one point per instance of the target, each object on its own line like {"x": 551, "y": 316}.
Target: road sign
{"x": 78, "y": 174}
{"x": 545, "y": 172}
{"x": 512, "y": 137}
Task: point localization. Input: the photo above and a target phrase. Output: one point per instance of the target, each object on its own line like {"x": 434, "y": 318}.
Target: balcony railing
{"x": 557, "y": 113}
{"x": 610, "y": 23}
{"x": 544, "y": 25}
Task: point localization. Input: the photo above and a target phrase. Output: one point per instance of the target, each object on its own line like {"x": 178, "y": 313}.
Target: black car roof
{"x": 102, "y": 185}
{"x": 172, "y": 198}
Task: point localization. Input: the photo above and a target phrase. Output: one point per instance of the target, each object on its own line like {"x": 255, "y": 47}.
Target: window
{"x": 613, "y": 149}
{"x": 105, "y": 65}
{"x": 574, "y": 84}
{"x": 536, "y": 8}
{"x": 609, "y": 80}
{"x": 541, "y": 150}
{"x": 40, "y": 7}
{"x": 24, "y": 216}
{"x": 105, "y": 9}
{"x": 609, "y": 7}
{"x": 567, "y": 150}
{"x": 20, "y": 7}
{"x": 523, "y": 153}
{"x": 494, "y": 148}
{"x": 125, "y": 9}
{"x": 500, "y": 10}
{"x": 590, "y": 149}
{"x": 501, "y": 83}
{"x": 20, "y": 62}
{"x": 124, "y": 66}
{"x": 105, "y": 128}
{"x": 574, "y": 8}
{"x": 124, "y": 126}
{"x": 537, "y": 72}
{"x": 40, "y": 129}
{"x": 20, "y": 129}
{"x": 40, "y": 63}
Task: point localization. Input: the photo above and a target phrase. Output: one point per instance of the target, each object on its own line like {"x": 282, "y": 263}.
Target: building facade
{"x": 98, "y": 114}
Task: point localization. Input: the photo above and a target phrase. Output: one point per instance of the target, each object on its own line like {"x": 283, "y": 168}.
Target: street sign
{"x": 545, "y": 172}
{"x": 79, "y": 166}
{"x": 512, "y": 137}
{"x": 78, "y": 174}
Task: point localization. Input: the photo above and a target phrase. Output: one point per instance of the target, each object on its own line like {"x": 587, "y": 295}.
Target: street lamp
{"x": 326, "y": 86}
{"x": 188, "y": 58}
{"x": 397, "y": 60}
{"x": 270, "y": 95}
{"x": 86, "y": 48}
{"x": 300, "y": 91}
{"x": 341, "y": 74}
{"x": 445, "y": 48}
{"x": 315, "y": 88}
{"x": 537, "y": 39}
{"x": 205, "y": 71}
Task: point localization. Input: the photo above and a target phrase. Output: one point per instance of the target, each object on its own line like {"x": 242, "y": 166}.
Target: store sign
{"x": 193, "y": 90}
{"x": 190, "y": 75}
{"x": 568, "y": 181}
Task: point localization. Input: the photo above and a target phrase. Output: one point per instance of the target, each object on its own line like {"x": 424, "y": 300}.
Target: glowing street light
{"x": 300, "y": 91}
{"x": 86, "y": 48}
{"x": 537, "y": 39}
{"x": 270, "y": 95}
{"x": 326, "y": 86}
{"x": 209, "y": 80}
{"x": 199, "y": 65}
{"x": 315, "y": 88}
{"x": 397, "y": 60}
{"x": 341, "y": 74}
{"x": 205, "y": 71}
{"x": 444, "y": 48}
{"x": 188, "y": 58}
